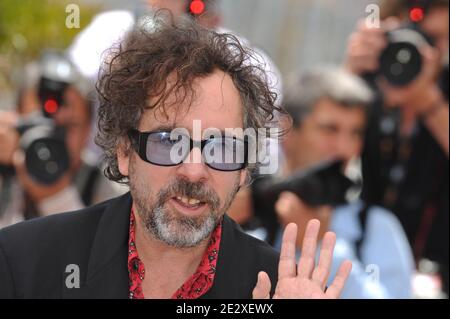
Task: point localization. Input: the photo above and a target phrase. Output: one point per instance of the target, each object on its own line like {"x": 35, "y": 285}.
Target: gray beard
{"x": 180, "y": 232}
{"x": 169, "y": 226}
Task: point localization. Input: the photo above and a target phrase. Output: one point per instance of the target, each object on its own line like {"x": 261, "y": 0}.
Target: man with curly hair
{"x": 170, "y": 236}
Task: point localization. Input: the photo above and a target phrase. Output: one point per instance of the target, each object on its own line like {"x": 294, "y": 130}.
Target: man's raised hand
{"x": 307, "y": 280}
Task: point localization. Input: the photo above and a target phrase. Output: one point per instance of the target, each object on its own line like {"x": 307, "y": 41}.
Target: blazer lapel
{"x": 225, "y": 283}
{"x": 107, "y": 272}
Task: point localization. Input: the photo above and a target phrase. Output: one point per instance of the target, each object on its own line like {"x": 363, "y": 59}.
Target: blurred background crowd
{"x": 367, "y": 153}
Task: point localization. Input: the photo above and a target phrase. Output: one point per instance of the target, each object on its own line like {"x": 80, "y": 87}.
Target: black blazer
{"x": 34, "y": 256}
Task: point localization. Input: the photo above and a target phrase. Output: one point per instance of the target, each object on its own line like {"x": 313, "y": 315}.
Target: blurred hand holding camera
{"x": 291, "y": 209}
{"x": 365, "y": 46}
{"x": 9, "y": 138}
{"x": 13, "y": 156}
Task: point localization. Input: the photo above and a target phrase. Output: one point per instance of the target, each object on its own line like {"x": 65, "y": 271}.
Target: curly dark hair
{"x": 138, "y": 69}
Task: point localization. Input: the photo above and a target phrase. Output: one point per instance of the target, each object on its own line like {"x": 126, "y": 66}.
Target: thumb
{"x": 262, "y": 288}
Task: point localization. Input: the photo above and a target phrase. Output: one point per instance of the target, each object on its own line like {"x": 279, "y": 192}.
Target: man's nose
{"x": 193, "y": 168}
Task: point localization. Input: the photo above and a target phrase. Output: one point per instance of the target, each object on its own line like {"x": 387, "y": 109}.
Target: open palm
{"x": 305, "y": 280}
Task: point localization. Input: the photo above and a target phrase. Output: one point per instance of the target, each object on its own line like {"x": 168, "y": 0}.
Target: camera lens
{"x": 46, "y": 155}
{"x": 46, "y": 160}
{"x": 401, "y": 62}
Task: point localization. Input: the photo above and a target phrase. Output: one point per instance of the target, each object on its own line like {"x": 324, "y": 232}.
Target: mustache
{"x": 198, "y": 190}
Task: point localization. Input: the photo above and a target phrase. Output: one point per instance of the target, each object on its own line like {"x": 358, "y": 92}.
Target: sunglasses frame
{"x": 139, "y": 139}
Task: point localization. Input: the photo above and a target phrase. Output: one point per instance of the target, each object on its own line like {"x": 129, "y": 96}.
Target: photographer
{"x": 328, "y": 107}
{"x": 405, "y": 162}
{"x": 50, "y": 103}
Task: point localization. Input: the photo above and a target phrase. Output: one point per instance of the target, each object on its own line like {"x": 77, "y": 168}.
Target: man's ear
{"x": 123, "y": 158}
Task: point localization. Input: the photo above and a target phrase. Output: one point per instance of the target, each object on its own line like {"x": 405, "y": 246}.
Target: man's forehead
{"x": 214, "y": 101}
{"x": 331, "y": 111}
{"x": 153, "y": 122}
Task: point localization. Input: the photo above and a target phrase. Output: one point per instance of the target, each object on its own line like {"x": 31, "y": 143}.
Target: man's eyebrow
{"x": 224, "y": 132}
{"x": 209, "y": 131}
{"x": 212, "y": 131}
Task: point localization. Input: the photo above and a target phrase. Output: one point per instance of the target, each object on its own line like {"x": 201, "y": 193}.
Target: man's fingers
{"x": 374, "y": 41}
{"x": 307, "y": 259}
{"x": 322, "y": 271}
{"x": 21, "y": 170}
{"x": 8, "y": 119}
{"x": 319, "y": 295}
{"x": 288, "y": 206}
{"x": 431, "y": 61}
{"x": 334, "y": 291}
{"x": 9, "y": 140}
{"x": 282, "y": 206}
{"x": 19, "y": 165}
{"x": 364, "y": 50}
{"x": 390, "y": 24}
{"x": 286, "y": 266}
{"x": 363, "y": 27}
{"x": 262, "y": 288}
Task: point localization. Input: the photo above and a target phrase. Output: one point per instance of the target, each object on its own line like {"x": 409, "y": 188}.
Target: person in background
{"x": 405, "y": 160}
{"x": 329, "y": 106}
{"x": 22, "y": 196}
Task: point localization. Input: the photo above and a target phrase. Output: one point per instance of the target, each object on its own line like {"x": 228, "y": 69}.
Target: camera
{"x": 46, "y": 155}
{"x": 401, "y": 61}
{"x": 322, "y": 184}
{"x": 41, "y": 139}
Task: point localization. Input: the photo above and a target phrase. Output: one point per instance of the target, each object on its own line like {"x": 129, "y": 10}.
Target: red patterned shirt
{"x": 196, "y": 286}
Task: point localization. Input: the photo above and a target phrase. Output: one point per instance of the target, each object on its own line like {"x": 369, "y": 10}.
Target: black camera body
{"x": 323, "y": 184}
{"x": 43, "y": 143}
{"x": 51, "y": 95}
{"x": 401, "y": 61}
{"x": 46, "y": 154}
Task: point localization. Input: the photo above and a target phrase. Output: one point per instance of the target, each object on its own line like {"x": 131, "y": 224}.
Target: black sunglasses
{"x": 165, "y": 149}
